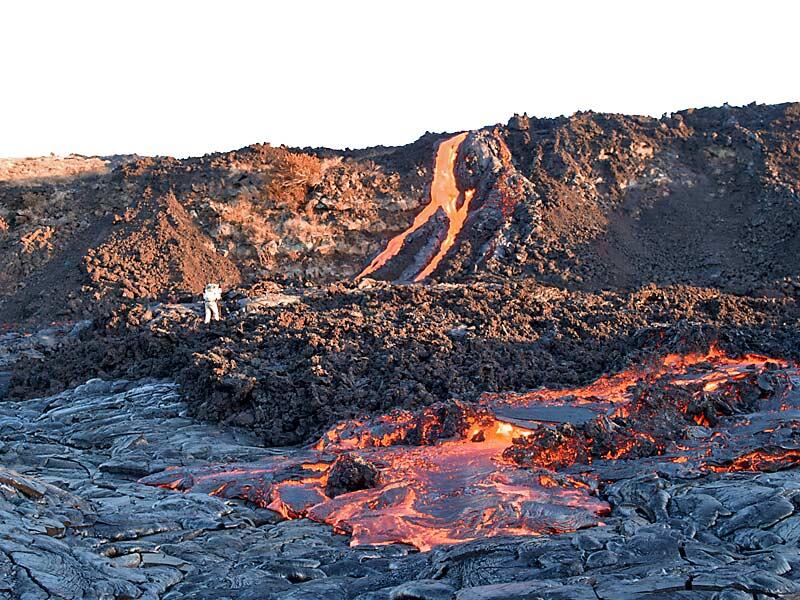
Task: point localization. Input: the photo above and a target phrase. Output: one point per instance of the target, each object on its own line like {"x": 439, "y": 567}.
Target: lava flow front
{"x": 445, "y": 195}
{"x": 425, "y": 495}
{"x": 524, "y": 463}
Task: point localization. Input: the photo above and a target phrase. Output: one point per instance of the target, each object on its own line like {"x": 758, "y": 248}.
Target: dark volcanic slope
{"x": 706, "y": 197}
{"x": 72, "y": 243}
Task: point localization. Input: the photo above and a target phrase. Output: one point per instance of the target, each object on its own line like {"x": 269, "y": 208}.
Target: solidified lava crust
{"x": 291, "y": 372}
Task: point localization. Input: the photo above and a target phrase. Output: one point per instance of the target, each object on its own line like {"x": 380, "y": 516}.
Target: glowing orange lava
{"x": 614, "y": 390}
{"x": 760, "y": 460}
{"x": 523, "y": 463}
{"x": 445, "y": 196}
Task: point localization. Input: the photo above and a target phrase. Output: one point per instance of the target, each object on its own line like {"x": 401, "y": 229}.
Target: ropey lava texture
{"x": 80, "y": 524}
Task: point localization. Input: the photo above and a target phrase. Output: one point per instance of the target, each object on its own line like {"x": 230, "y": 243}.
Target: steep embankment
{"x": 151, "y": 248}
{"x": 291, "y": 371}
{"x": 708, "y": 197}
{"x": 268, "y": 213}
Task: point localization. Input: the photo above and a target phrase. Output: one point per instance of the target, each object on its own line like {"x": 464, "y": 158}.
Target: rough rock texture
{"x": 167, "y": 247}
{"x": 49, "y": 214}
{"x": 708, "y": 197}
{"x": 55, "y": 168}
{"x": 593, "y": 201}
{"x": 290, "y": 372}
{"x": 259, "y": 212}
{"x": 350, "y": 473}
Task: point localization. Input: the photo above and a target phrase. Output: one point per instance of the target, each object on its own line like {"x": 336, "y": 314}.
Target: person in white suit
{"x": 211, "y": 296}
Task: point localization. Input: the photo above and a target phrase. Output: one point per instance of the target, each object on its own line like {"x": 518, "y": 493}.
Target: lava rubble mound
{"x": 291, "y": 370}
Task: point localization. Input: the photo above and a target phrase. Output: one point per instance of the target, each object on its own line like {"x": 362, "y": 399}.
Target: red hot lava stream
{"x": 444, "y": 195}
{"x": 523, "y": 463}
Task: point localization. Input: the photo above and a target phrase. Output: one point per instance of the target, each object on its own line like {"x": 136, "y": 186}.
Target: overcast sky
{"x": 186, "y": 78}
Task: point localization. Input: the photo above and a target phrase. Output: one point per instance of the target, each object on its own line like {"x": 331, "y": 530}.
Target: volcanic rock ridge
{"x": 705, "y": 197}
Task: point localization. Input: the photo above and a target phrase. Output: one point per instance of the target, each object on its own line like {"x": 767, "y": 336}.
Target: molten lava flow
{"x": 444, "y": 195}
{"x": 615, "y": 389}
{"x": 638, "y": 412}
{"x": 455, "y": 221}
{"x": 455, "y": 491}
{"x": 760, "y": 460}
{"x": 522, "y": 463}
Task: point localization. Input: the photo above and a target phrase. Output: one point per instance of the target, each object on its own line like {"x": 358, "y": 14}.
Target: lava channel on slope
{"x": 527, "y": 463}
{"x": 444, "y": 197}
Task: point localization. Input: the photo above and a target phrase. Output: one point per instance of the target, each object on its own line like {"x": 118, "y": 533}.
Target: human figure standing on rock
{"x": 211, "y": 296}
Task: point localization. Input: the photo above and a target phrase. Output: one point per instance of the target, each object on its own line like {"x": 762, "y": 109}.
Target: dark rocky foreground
{"x": 75, "y": 523}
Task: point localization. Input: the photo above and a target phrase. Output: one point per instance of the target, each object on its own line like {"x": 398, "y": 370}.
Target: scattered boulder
{"x": 350, "y": 473}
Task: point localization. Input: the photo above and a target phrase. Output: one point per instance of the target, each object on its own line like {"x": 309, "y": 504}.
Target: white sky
{"x": 189, "y": 77}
